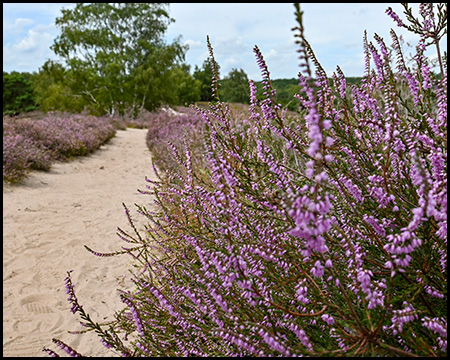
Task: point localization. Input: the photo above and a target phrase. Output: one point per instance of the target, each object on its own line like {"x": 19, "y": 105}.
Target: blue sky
{"x": 335, "y": 32}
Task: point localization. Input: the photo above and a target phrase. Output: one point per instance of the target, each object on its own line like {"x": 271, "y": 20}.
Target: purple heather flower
{"x": 72, "y": 299}
{"x": 50, "y": 352}
{"x": 394, "y": 16}
{"x": 135, "y": 314}
{"x": 220, "y": 301}
{"x": 273, "y": 342}
{"x": 301, "y": 292}
{"x": 106, "y": 344}
{"x": 383, "y": 48}
{"x": 143, "y": 348}
{"x": 339, "y": 340}
{"x": 238, "y": 339}
{"x": 318, "y": 269}
{"x": 67, "y": 348}
{"x": 378, "y": 61}
{"x": 401, "y": 317}
{"x": 328, "y": 319}
{"x": 364, "y": 277}
{"x": 300, "y": 333}
{"x": 314, "y": 132}
{"x": 437, "y": 325}
{"x": 340, "y": 82}
{"x": 426, "y": 11}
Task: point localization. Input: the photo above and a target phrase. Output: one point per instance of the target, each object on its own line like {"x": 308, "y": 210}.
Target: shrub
{"x": 318, "y": 234}
{"x": 36, "y": 143}
{"x": 21, "y": 154}
{"x": 166, "y": 130}
{"x": 18, "y": 93}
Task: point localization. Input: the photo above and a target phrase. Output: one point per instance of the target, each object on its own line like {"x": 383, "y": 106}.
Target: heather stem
{"x": 440, "y": 60}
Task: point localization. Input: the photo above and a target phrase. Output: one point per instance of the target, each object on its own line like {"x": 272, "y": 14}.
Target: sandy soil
{"x": 47, "y": 220}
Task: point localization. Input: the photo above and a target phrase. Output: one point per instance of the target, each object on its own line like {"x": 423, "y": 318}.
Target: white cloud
{"x": 14, "y": 28}
{"x": 32, "y": 50}
{"x": 230, "y": 63}
{"x": 28, "y": 32}
{"x": 28, "y": 44}
{"x": 193, "y": 44}
{"x": 22, "y": 22}
{"x": 229, "y": 45}
{"x": 271, "y": 54}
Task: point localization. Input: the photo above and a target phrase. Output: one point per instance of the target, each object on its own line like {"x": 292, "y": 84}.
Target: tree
{"x": 153, "y": 82}
{"x": 235, "y": 87}
{"x": 117, "y": 50}
{"x": 285, "y": 91}
{"x": 188, "y": 89}
{"x": 55, "y": 88}
{"x": 17, "y": 92}
{"x": 205, "y": 75}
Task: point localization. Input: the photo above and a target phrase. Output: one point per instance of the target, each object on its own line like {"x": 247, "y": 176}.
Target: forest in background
{"x": 48, "y": 90}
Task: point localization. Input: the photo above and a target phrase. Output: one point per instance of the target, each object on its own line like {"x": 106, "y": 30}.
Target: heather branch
{"x": 215, "y": 71}
{"x": 396, "y": 350}
{"x": 304, "y": 56}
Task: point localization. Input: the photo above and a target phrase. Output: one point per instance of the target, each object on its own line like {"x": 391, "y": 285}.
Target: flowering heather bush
{"x": 21, "y": 154}
{"x": 36, "y": 143}
{"x": 166, "y": 130}
{"x": 319, "y": 234}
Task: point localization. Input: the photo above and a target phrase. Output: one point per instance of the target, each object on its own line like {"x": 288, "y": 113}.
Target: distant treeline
{"x": 24, "y": 91}
{"x": 235, "y": 91}
{"x": 286, "y": 88}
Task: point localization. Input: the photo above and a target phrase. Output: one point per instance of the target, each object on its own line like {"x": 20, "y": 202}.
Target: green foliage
{"x": 116, "y": 55}
{"x": 188, "y": 89}
{"x": 235, "y": 87}
{"x": 53, "y": 89}
{"x": 18, "y": 93}
{"x": 287, "y": 88}
{"x": 205, "y": 75}
{"x": 285, "y": 91}
{"x": 154, "y": 82}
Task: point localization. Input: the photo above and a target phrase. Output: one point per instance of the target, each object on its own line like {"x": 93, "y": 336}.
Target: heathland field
{"x": 223, "y": 229}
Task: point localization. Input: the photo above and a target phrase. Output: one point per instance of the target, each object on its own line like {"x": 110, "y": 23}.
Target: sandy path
{"x": 46, "y": 222}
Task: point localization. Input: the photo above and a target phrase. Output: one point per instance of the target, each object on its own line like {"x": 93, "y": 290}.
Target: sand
{"x": 47, "y": 220}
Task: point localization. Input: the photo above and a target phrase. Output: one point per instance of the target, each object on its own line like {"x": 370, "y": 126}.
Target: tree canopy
{"x": 117, "y": 55}
{"x": 205, "y": 75}
{"x": 235, "y": 87}
{"x": 17, "y": 92}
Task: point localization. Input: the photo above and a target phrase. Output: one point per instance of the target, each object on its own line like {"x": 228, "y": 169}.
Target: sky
{"x": 334, "y": 30}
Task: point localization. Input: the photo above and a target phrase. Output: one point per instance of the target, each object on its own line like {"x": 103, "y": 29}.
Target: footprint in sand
{"x": 42, "y": 315}
{"x": 36, "y": 304}
{"x": 19, "y": 345}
